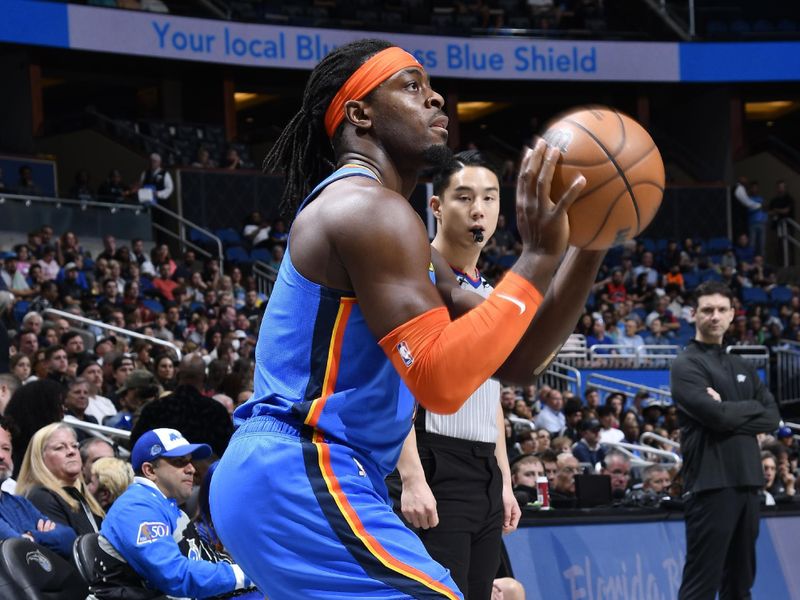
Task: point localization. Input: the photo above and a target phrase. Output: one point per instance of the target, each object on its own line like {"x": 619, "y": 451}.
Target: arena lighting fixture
{"x": 249, "y": 99}
{"x": 769, "y": 110}
{"x": 472, "y": 111}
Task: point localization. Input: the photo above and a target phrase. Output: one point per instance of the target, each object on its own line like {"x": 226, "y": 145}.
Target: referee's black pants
{"x": 468, "y": 487}
{"x": 721, "y": 531}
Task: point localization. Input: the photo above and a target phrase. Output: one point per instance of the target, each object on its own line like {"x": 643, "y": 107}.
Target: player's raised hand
{"x": 542, "y": 221}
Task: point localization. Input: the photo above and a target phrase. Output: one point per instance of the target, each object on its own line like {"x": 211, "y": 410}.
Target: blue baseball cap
{"x": 784, "y": 432}
{"x": 163, "y": 442}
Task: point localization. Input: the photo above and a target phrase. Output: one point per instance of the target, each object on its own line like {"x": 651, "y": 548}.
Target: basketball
{"x": 623, "y": 170}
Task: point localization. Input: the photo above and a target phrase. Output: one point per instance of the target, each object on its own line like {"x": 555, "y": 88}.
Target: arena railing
{"x": 609, "y": 384}
{"x": 649, "y": 435}
{"x": 101, "y": 431}
{"x": 181, "y": 236}
{"x": 617, "y": 355}
{"x": 788, "y": 233}
{"x": 126, "y": 332}
{"x": 562, "y": 377}
{"x": 112, "y": 207}
{"x": 638, "y": 461}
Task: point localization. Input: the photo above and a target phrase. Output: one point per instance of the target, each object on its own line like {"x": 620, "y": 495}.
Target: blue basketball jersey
{"x": 318, "y": 365}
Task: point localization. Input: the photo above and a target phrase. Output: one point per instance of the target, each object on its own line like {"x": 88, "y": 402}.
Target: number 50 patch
{"x": 150, "y": 531}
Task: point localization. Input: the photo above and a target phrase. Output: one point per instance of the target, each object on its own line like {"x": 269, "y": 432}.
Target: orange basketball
{"x": 623, "y": 169}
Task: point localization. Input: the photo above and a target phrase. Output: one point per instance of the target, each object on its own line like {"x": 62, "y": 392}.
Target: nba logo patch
{"x": 405, "y": 354}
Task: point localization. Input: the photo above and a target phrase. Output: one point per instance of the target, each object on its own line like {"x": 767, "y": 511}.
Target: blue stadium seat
{"x": 261, "y": 255}
{"x": 20, "y": 308}
{"x": 718, "y": 245}
{"x": 661, "y": 244}
{"x": 754, "y": 295}
{"x": 647, "y": 244}
{"x": 691, "y": 280}
{"x": 780, "y": 294}
{"x": 229, "y": 236}
{"x": 153, "y": 305}
{"x": 237, "y": 254}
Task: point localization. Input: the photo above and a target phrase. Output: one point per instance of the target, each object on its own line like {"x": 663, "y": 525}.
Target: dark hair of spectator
{"x": 709, "y": 288}
{"x": 468, "y": 158}
{"x": 33, "y": 406}
{"x": 66, "y": 337}
{"x": 11, "y": 427}
{"x": 51, "y": 350}
{"x": 549, "y": 456}
{"x": 303, "y": 152}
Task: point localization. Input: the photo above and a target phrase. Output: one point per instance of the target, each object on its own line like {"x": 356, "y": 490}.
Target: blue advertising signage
{"x": 637, "y": 561}
{"x": 509, "y": 58}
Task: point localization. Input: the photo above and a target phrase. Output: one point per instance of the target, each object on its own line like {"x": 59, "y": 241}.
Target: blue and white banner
{"x": 512, "y": 58}
{"x": 638, "y": 561}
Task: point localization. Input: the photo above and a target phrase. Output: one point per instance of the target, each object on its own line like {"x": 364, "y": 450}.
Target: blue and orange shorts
{"x": 303, "y": 519}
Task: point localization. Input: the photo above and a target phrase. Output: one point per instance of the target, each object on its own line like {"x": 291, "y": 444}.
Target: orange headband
{"x": 365, "y": 79}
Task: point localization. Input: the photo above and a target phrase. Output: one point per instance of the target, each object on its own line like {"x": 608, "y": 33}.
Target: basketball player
{"x": 462, "y": 509}
{"x": 299, "y": 496}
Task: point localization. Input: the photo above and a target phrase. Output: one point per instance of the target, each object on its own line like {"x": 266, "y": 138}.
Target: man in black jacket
{"x": 722, "y": 405}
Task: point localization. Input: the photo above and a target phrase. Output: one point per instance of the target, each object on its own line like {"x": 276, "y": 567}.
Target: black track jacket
{"x": 718, "y": 439}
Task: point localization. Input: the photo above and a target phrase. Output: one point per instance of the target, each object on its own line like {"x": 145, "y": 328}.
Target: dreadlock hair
{"x": 467, "y": 158}
{"x": 303, "y": 152}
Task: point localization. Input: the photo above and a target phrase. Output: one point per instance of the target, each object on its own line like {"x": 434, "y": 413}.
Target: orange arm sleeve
{"x": 442, "y": 361}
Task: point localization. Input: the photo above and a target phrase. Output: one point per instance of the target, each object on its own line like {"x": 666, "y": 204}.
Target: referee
{"x": 722, "y": 405}
{"x": 456, "y": 484}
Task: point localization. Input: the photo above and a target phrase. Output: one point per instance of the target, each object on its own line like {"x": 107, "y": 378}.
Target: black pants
{"x": 468, "y": 487}
{"x": 721, "y": 532}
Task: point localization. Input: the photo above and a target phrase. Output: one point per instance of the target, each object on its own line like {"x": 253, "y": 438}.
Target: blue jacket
{"x": 142, "y": 526}
{"x": 18, "y": 516}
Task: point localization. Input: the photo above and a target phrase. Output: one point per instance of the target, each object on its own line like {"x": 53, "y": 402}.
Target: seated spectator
{"x": 33, "y": 406}
{"x": 525, "y": 469}
{"x": 573, "y": 415}
{"x": 187, "y": 407}
{"x": 72, "y": 342}
{"x": 14, "y": 280}
{"x": 164, "y": 283}
{"x": 81, "y": 190}
{"x": 20, "y": 518}
{"x": 630, "y": 340}
{"x": 669, "y": 322}
{"x": 256, "y": 230}
{"x": 588, "y": 449}
{"x": 232, "y": 160}
{"x": 99, "y": 407}
{"x": 656, "y": 335}
{"x": 614, "y": 292}
{"x": 656, "y": 479}
{"x": 139, "y": 388}
{"x": 562, "y": 491}
{"x": 165, "y": 371}
{"x": 526, "y": 442}
{"x": 600, "y": 337}
{"x": 26, "y": 185}
{"x": 113, "y": 190}
{"x": 76, "y": 403}
{"x": 57, "y": 364}
{"x": 561, "y": 444}
{"x": 204, "y": 160}
{"x": 48, "y": 297}
{"x": 782, "y": 485}
{"x": 20, "y": 366}
{"x": 27, "y": 343}
{"x": 278, "y": 234}
{"x": 93, "y": 449}
{"x": 609, "y": 433}
{"x": 50, "y": 477}
{"x": 145, "y": 527}
{"x": 551, "y": 416}
{"x": 108, "y": 480}
{"x": 618, "y": 466}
